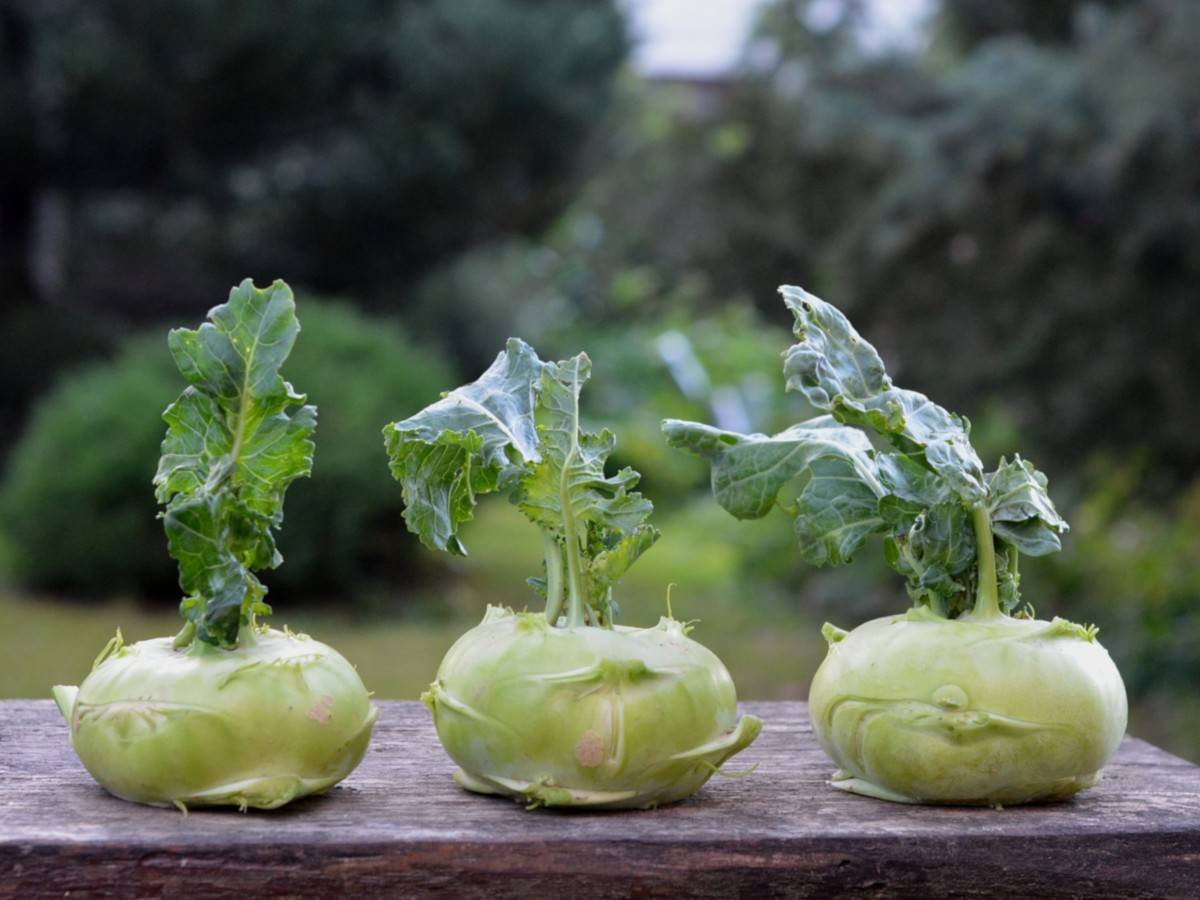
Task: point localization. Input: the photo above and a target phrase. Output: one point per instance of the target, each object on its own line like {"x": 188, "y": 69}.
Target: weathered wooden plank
{"x": 398, "y": 825}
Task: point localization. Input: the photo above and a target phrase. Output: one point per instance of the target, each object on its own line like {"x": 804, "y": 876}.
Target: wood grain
{"x": 399, "y": 827}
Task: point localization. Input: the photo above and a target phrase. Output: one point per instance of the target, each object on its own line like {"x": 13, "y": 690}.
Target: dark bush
{"x": 350, "y": 144}
{"x": 79, "y": 509}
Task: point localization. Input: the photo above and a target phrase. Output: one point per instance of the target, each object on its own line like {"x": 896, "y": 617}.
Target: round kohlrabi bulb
{"x": 920, "y": 709}
{"x": 618, "y": 719}
{"x": 276, "y": 718}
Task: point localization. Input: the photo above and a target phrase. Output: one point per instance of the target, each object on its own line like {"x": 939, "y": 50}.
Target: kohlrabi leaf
{"x": 608, "y": 565}
{"x": 1020, "y": 509}
{"x": 840, "y": 373}
{"x": 749, "y": 470}
{"x": 911, "y": 483}
{"x": 568, "y": 486}
{"x": 236, "y": 438}
{"x": 568, "y": 495}
{"x": 473, "y": 441}
{"x": 1033, "y": 537}
{"x": 936, "y": 555}
{"x": 836, "y": 511}
{"x": 833, "y": 466}
{"x": 927, "y": 495}
{"x": 1008, "y": 581}
{"x": 517, "y": 429}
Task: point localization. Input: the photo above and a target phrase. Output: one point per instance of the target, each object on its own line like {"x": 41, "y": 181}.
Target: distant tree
{"x": 153, "y": 153}
{"x": 965, "y": 24}
{"x": 346, "y": 144}
{"x": 1037, "y": 240}
{"x": 1016, "y": 223}
{"x": 17, "y": 157}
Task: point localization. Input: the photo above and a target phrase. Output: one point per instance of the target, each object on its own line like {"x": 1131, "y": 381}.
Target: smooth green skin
{"x": 279, "y": 717}
{"x": 919, "y": 709}
{"x": 624, "y": 718}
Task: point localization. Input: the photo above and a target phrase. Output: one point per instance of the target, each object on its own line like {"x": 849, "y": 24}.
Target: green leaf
{"x": 908, "y": 480}
{"x": 569, "y": 482}
{"x": 748, "y": 470}
{"x": 836, "y": 511}
{"x": 837, "y": 507}
{"x": 1032, "y": 537}
{"x": 1016, "y": 493}
{"x": 840, "y": 373}
{"x": 1020, "y": 508}
{"x": 925, "y": 496}
{"x": 936, "y": 554}
{"x": 608, "y": 565}
{"x": 208, "y": 571}
{"x": 1008, "y": 583}
{"x": 568, "y": 494}
{"x": 236, "y": 438}
{"x": 477, "y": 439}
{"x": 910, "y": 487}
{"x": 518, "y": 429}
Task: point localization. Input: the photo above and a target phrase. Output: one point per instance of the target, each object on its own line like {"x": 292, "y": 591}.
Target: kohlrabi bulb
{"x": 921, "y": 709}
{"x": 585, "y": 716}
{"x": 275, "y": 718}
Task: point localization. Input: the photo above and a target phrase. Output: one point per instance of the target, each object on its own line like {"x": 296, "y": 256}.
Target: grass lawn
{"x": 45, "y": 641}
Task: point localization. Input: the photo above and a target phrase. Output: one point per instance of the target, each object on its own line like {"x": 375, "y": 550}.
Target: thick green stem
{"x": 186, "y": 635}
{"x": 987, "y": 594}
{"x": 554, "y": 577}
{"x": 576, "y": 614}
{"x": 605, "y": 615}
{"x": 248, "y": 631}
{"x": 575, "y": 606}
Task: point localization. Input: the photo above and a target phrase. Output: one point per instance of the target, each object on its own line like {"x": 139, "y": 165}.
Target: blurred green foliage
{"x": 1020, "y": 220}
{"x": 36, "y": 345}
{"x": 1013, "y": 217}
{"x": 79, "y": 511}
{"x": 1011, "y": 214}
{"x": 78, "y": 508}
{"x": 347, "y": 144}
{"x": 1133, "y": 566}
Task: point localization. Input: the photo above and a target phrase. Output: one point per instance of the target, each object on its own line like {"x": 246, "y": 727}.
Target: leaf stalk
{"x": 554, "y": 576}
{"x": 987, "y": 592}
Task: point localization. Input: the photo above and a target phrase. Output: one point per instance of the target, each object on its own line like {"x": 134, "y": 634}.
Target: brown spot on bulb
{"x": 322, "y": 710}
{"x": 589, "y": 750}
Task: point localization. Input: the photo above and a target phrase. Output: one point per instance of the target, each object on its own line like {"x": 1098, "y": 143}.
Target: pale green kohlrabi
{"x": 962, "y": 699}
{"x": 561, "y": 707}
{"x": 228, "y": 711}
